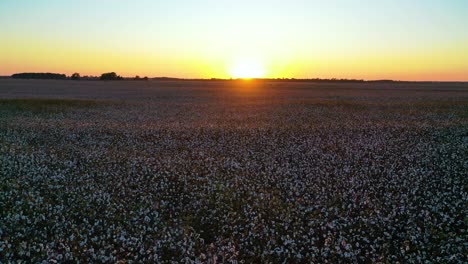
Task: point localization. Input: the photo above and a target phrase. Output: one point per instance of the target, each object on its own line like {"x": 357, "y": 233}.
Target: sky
{"x": 360, "y": 39}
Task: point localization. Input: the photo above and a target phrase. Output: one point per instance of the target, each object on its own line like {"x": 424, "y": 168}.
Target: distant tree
{"x": 137, "y": 78}
{"x": 75, "y": 76}
{"x": 48, "y": 75}
{"x": 110, "y": 76}
{"x": 145, "y": 78}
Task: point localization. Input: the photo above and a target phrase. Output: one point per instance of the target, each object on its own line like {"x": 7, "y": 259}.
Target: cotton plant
{"x": 252, "y": 179}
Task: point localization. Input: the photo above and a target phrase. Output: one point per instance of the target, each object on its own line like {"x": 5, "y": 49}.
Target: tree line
{"x": 109, "y": 76}
{"x": 112, "y": 76}
{"x": 47, "y": 75}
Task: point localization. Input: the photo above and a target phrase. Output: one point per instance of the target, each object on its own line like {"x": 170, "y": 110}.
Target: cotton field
{"x": 233, "y": 172}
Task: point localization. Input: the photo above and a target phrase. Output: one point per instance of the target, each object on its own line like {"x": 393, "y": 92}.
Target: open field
{"x": 233, "y": 171}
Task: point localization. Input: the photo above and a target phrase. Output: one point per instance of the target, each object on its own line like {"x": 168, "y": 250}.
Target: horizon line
{"x": 287, "y": 79}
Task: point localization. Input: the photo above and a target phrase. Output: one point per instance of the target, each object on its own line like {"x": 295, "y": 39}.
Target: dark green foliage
{"x": 42, "y": 106}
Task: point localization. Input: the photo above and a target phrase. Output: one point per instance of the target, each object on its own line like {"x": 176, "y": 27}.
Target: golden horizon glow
{"x": 247, "y": 68}
{"x": 421, "y": 41}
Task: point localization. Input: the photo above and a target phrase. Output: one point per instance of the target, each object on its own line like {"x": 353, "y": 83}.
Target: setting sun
{"x": 247, "y": 69}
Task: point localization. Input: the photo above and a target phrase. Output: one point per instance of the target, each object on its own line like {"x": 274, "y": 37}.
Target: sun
{"x": 247, "y": 69}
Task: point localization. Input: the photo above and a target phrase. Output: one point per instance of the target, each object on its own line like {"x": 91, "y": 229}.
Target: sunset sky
{"x": 365, "y": 39}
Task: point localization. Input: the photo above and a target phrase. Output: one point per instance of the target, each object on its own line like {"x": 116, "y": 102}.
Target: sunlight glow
{"x": 251, "y": 39}
{"x": 247, "y": 69}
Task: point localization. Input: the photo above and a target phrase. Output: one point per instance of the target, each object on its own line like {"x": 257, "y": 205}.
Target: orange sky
{"x": 420, "y": 40}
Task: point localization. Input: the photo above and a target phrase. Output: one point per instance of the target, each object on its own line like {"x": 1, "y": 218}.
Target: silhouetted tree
{"x": 137, "y": 78}
{"x": 110, "y": 76}
{"x": 146, "y": 78}
{"x": 75, "y": 76}
{"x": 55, "y": 76}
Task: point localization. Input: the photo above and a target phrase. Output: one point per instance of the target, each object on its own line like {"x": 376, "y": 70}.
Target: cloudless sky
{"x": 365, "y": 39}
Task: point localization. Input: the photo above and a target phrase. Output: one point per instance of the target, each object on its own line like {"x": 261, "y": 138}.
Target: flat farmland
{"x": 233, "y": 171}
